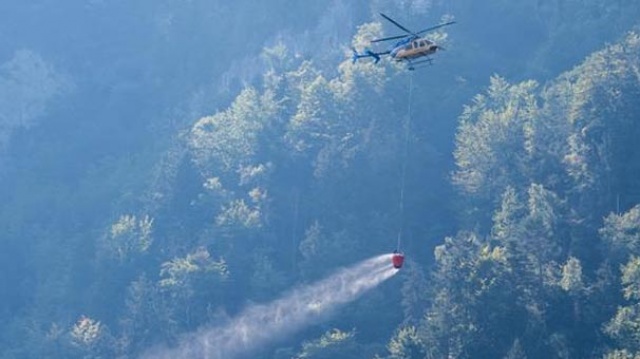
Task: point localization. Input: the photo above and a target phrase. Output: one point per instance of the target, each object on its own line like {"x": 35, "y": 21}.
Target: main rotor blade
{"x": 435, "y": 27}
{"x": 390, "y": 38}
{"x": 398, "y": 25}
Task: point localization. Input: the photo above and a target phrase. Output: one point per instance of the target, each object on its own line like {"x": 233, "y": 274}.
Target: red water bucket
{"x": 397, "y": 260}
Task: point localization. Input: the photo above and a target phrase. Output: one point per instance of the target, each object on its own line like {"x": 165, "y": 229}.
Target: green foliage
{"x": 415, "y": 292}
{"x": 622, "y": 231}
{"x": 528, "y": 232}
{"x": 474, "y": 281}
{"x": 327, "y": 122}
{"x": 406, "y": 344}
{"x": 331, "y": 344}
{"x": 572, "y": 280}
{"x": 147, "y": 316}
{"x": 229, "y": 139}
{"x": 177, "y": 273}
{"x": 506, "y": 219}
{"x": 277, "y": 57}
{"x": 516, "y": 351}
{"x": 238, "y": 213}
{"x": 543, "y": 207}
{"x": 366, "y": 33}
{"x": 315, "y": 100}
{"x": 631, "y": 279}
{"x": 595, "y": 100}
{"x": 515, "y": 134}
{"x": 621, "y": 354}
{"x": 241, "y": 205}
{"x": 495, "y": 142}
{"x": 89, "y": 338}
{"x": 85, "y": 332}
{"x": 552, "y": 160}
{"x": 129, "y": 236}
{"x": 312, "y": 240}
{"x": 624, "y": 327}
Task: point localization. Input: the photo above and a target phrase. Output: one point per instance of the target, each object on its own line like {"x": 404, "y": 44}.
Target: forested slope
{"x": 164, "y": 171}
{"x": 554, "y": 168}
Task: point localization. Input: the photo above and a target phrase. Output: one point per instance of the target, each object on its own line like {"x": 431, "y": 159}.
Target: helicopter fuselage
{"x": 413, "y": 49}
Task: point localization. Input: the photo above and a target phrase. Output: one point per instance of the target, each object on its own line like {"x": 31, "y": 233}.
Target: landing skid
{"x": 412, "y": 65}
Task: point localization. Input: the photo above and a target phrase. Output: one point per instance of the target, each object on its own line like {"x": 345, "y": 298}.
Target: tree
{"x": 334, "y": 343}
{"x": 191, "y": 281}
{"x": 475, "y": 309}
{"x": 129, "y": 236}
{"x": 406, "y": 344}
{"x": 572, "y": 280}
{"x": 621, "y": 232}
{"x": 228, "y": 140}
{"x": 621, "y": 354}
{"x": 623, "y": 327}
{"x": 493, "y": 144}
{"x": 516, "y": 351}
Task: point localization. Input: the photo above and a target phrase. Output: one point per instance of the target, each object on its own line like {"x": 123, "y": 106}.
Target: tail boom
{"x": 367, "y": 53}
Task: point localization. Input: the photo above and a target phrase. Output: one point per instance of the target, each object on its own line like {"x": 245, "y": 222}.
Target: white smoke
{"x": 262, "y": 324}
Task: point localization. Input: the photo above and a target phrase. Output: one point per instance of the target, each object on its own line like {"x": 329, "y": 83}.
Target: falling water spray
{"x": 260, "y": 325}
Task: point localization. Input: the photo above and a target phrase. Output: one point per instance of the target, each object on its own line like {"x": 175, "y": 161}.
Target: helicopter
{"x": 413, "y": 46}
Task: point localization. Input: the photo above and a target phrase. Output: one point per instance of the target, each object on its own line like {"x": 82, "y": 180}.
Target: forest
{"x": 165, "y": 165}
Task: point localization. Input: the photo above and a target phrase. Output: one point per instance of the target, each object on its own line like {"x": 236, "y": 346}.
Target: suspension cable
{"x": 407, "y": 126}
